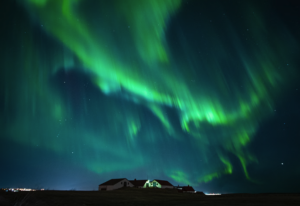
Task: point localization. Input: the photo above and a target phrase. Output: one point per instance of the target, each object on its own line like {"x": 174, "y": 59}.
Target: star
{"x": 282, "y": 163}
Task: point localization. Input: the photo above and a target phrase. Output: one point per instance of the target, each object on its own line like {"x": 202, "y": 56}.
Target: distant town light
{"x": 19, "y": 189}
{"x": 212, "y": 193}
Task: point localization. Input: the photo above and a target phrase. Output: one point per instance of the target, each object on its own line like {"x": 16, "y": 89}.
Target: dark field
{"x": 132, "y": 196}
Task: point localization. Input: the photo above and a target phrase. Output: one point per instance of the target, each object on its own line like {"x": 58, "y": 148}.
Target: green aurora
{"x": 141, "y": 101}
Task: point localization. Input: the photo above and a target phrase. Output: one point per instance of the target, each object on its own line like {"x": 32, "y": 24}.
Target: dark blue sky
{"x": 204, "y": 93}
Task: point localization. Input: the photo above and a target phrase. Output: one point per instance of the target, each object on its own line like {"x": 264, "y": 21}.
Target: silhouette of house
{"x": 138, "y": 183}
{"x": 115, "y": 184}
{"x": 185, "y": 189}
{"x": 123, "y": 182}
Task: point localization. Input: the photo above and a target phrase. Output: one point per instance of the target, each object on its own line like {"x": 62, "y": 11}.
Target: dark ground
{"x": 133, "y": 196}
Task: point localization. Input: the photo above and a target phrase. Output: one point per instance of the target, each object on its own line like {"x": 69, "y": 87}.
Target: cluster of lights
{"x": 212, "y": 193}
{"x": 19, "y": 189}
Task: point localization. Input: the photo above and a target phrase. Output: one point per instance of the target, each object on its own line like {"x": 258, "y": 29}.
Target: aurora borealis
{"x": 166, "y": 89}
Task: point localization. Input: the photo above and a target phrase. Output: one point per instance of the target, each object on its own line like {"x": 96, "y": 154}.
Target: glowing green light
{"x": 122, "y": 48}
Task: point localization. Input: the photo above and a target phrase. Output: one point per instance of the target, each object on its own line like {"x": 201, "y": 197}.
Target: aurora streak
{"x": 101, "y": 83}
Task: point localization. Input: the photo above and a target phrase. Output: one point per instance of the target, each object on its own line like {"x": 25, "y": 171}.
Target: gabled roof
{"x": 112, "y": 181}
{"x": 138, "y": 183}
{"x": 164, "y": 183}
{"x": 188, "y": 188}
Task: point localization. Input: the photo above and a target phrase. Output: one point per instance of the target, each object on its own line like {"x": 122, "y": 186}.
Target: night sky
{"x": 203, "y": 93}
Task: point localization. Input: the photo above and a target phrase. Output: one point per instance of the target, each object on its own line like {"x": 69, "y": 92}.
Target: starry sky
{"x": 197, "y": 92}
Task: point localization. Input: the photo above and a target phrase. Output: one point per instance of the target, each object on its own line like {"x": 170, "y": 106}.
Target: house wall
{"x": 157, "y": 184}
{"x": 145, "y": 185}
{"x": 106, "y": 187}
{"x": 151, "y": 184}
{"x": 102, "y": 187}
{"x": 121, "y": 184}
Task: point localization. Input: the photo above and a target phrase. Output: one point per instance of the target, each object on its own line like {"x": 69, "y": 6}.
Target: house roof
{"x": 138, "y": 183}
{"x": 112, "y": 181}
{"x": 188, "y": 188}
{"x": 164, "y": 182}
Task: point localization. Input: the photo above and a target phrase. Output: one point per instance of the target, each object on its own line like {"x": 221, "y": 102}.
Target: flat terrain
{"x": 133, "y": 196}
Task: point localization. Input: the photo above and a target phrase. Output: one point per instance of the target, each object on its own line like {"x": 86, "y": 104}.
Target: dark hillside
{"x": 133, "y": 196}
